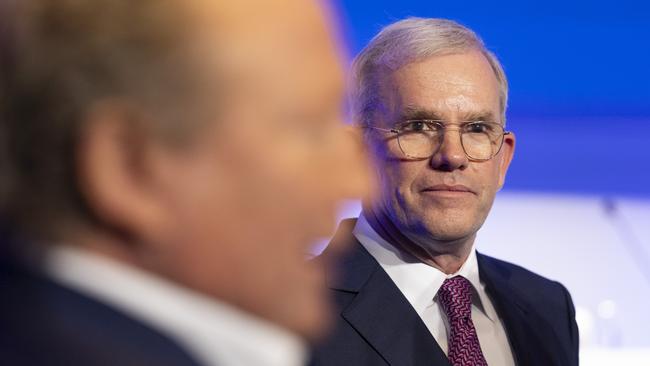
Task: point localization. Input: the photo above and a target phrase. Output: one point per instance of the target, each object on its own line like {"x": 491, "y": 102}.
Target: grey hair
{"x": 407, "y": 41}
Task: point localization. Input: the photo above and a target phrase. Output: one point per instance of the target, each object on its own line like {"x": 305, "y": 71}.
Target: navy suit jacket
{"x": 376, "y": 325}
{"x": 44, "y": 323}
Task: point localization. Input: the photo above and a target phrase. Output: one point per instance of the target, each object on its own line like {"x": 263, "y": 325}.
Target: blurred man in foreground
{"x": 166, "y": 164}
{"x": 414, "y": 291}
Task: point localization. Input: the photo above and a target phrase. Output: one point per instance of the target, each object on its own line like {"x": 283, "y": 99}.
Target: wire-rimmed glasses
{"x": 420, "y": 139}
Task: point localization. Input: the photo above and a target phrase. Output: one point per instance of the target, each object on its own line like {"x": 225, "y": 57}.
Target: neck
{"x": 446, "y": 255}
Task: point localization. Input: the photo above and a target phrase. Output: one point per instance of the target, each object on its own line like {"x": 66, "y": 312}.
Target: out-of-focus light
{"x": 607, "y": 309}
{"x": 608, "y": 357}
{"x": 586, "y": 325}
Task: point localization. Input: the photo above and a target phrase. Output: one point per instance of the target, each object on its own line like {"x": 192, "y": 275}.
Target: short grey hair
{"x": 406, "y": 41}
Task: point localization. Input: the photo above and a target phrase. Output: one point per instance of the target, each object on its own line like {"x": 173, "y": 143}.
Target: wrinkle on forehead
{"x": 447, "y": 81}
{"x": 453, "y": 86}
{"x": 414, "y": 112}
{"x": 457, "y": 87}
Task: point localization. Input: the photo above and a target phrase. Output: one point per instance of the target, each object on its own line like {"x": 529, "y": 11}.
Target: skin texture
{"x": 234, "y": 211}
{"x": 420, "y": 206}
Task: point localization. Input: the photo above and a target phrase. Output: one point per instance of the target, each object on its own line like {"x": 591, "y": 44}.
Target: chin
{"x": 451, "y": 235}
{"x": 447, "y": 229}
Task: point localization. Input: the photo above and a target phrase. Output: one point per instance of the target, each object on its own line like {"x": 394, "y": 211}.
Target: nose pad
{"x": 450, "y": 154}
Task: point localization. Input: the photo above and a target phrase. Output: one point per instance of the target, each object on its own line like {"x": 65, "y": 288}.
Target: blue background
{"x": 579, "y": 74}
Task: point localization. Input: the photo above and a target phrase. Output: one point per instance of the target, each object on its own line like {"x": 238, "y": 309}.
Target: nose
{"x": 450, "y": 155}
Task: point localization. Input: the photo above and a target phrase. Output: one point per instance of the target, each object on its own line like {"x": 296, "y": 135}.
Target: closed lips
{"x": 447, "y": 188}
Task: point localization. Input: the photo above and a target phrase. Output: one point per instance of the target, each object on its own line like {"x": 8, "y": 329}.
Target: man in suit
{"x": 430, "y": 100}
{"x": 165, "y": 166}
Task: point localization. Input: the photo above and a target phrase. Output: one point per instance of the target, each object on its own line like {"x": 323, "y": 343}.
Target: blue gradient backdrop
{"x": 579, "y": 75}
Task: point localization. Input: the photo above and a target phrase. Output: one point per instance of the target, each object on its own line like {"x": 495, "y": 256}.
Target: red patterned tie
{"x": 455, "y": 297}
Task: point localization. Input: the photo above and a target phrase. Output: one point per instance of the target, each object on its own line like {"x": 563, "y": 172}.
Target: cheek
{"x": 494, "y": 174}
{"x": 282, "y": 194}
{"x": 397, "y": 179}
{"x": 244, "y": 224}
{"x": 488, "y": 183}
{"x": 387, "y": 177}
{"x": 196, "y": 198}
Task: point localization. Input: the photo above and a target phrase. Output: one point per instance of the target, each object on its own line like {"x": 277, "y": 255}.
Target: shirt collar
{"x": 214, "y": 332}
{"x": 420, "y": 282}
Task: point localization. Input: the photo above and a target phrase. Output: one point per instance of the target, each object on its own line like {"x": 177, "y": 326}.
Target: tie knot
{"x": 455, "y": 297}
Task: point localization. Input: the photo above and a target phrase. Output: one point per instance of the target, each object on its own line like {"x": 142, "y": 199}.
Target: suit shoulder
{"x": 547, "y": 298}
{"x": 522, "y": 278}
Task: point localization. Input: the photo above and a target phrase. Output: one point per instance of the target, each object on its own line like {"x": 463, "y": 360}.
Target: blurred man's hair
{"x": 57, "y": 58}
{"x": 406, "y": 41}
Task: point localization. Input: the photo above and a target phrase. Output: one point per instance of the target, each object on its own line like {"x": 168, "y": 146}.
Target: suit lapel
{"x": 380, "y": 312}
{"x": 531, "y": 338}
{"x": 385, "y": 319}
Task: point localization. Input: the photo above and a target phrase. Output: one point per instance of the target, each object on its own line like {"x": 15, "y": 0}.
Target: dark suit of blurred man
{"x": 165, "y": 166}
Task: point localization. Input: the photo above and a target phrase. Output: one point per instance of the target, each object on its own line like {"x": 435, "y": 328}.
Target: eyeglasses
{"x": 420, "y": 139}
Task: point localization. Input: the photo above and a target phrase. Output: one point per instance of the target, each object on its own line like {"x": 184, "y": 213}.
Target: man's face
{"x": 262, "y": 182}
{"x": 445, "y": 197}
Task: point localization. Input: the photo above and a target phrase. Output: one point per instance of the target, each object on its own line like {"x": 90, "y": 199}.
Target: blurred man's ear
{"x": 506, "y": 155}
{"x": 115, "y": 171}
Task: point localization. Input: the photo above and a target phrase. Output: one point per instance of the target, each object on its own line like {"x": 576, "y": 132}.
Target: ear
{"x": 114, "y": 173}
{"x": 505, "y": 155}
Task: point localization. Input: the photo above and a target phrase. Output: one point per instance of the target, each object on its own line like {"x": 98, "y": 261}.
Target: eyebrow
{"x": 418, "y": 113}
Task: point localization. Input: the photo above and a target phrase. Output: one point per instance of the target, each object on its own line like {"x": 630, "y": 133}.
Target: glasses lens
{"x": 421, "y": 139}
{"x": 482, "y": 141}
{"x": 418, "y": 139}
{"x": 477, "y": 146}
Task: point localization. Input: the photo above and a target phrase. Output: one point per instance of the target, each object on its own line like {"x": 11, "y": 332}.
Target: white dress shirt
{"x": 420, "y": 282}
{"x": 213, "y": 332}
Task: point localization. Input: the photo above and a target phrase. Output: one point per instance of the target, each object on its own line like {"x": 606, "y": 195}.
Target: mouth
{"x": 448, "y": 190}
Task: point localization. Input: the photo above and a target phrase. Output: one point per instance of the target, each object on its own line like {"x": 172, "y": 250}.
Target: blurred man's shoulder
{"x": 42, "y": 322}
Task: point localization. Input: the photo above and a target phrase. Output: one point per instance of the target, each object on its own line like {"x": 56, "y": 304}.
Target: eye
{"x": 418, "y": 126}
{"x": 479, "y": 127}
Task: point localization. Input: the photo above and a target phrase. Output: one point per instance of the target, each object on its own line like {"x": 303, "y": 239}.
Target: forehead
{"x": 448, "y": 86}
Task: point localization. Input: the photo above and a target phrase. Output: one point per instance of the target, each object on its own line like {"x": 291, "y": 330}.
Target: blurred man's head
{"x": 432, "y": 100}
{"x": 197, "y": 139}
